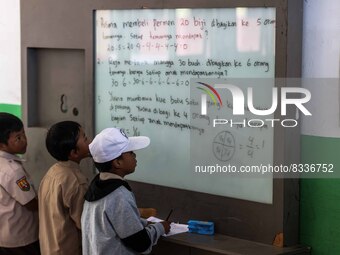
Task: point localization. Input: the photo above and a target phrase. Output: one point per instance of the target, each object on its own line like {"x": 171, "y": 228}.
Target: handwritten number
{"x": 184, "y": 22}
{"x": 63, "y": 103}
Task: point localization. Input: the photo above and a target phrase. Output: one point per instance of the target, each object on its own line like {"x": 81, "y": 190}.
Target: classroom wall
{"x": 320, "y": 141}
{"x": 10, "y": 96}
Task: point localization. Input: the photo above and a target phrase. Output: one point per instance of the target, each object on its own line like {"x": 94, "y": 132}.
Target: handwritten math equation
{"x": 225, "y": 146}
{"x": 147, "y": 46}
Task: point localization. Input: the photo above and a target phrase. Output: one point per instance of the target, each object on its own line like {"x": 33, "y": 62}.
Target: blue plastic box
{"x": 201, "y": 227}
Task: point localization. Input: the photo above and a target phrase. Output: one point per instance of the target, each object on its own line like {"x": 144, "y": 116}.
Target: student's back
{"x": 60, "y": 207}
{"x": 61, "y": 191}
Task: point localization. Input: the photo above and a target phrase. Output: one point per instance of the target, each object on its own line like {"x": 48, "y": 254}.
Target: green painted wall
{"x": 11, "y": 108}
{"x": 320, "y": 198}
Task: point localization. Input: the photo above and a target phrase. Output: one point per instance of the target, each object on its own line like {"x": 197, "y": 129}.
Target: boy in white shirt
{"x": 18, "y": 199}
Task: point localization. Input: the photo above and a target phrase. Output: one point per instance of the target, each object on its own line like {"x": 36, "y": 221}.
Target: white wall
{"x": 321, "y": 58}
{"x": 10, "y": 70}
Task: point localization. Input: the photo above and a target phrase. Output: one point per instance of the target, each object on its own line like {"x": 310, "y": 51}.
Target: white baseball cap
{"x": 112, "y": 142}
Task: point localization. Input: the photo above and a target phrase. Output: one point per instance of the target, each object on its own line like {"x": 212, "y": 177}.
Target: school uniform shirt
{"x": 111, "y": 221}
{"x": 61, "y": 199}
{"x": 19, "y": 226}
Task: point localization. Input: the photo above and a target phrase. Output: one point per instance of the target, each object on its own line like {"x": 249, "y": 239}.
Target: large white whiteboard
{"x": 146, "y": 64}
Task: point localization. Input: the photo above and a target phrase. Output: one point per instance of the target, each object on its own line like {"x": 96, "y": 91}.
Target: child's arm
{"x": 18, "y": 185}
{"x": 75, "y": 200}
{"x": 71, "y": 190}
{"x": 129, "y": 226}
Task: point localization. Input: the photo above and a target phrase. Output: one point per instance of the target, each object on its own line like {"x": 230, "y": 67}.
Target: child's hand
{"x": 166, "y": 226}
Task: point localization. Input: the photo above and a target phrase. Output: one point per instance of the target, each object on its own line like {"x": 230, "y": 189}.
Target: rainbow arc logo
{"x": 208, "y": 90}
{"x": 211, "y": 92}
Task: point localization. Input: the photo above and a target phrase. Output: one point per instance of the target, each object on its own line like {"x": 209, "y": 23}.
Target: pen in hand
{"x": 166, "y": 223}
{"x": 167, "y": 218}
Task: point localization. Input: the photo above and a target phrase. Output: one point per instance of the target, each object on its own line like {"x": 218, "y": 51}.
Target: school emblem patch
{"x": 23, "y": 184}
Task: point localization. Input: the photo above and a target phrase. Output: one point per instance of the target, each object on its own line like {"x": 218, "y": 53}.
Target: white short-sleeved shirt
{"x": 19, "y": 226}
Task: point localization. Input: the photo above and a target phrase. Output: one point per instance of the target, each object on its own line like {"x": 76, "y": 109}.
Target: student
{"x": 18, "y": 200}
{"x": 62, "y": 190}
{"x": 110, "y": 221}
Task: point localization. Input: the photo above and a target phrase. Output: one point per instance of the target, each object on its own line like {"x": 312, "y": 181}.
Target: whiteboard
{"x": 147, "y": 67}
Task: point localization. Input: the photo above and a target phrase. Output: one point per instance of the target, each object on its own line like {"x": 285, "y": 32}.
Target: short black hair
{"x": 8, "y": 123}
{"x": 62, "y": 138}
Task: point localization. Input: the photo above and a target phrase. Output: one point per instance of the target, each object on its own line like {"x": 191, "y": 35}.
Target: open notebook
{"x": 176, "y": 228}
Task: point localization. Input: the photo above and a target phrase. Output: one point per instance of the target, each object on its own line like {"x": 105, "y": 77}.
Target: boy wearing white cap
{"x": 111, "y": 223}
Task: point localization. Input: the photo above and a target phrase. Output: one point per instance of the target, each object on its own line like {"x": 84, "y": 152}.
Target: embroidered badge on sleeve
{"x": 23, "y": 184}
